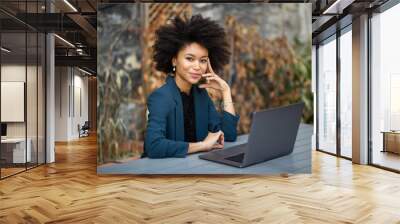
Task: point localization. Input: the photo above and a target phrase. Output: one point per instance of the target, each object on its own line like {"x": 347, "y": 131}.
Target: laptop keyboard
{"x": 236, "y": 158}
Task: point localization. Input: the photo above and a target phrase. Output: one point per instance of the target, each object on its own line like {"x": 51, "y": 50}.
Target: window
{"x": 22, "y": 76}
{"x": 327, "y": 96}
{"x": 346, "y": 75}
{"x": 385, "y": 88}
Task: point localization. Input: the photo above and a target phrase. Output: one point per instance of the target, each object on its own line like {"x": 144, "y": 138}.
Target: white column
{"x": 50, "y": 94}
{"x": 360, "y": 90}
{"x": 314, "y": 91}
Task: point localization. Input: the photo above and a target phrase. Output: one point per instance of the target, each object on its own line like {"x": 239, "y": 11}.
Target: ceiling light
{"x": 86, "y": 72}
{"x": 70, "y": 5}
{"x": 338, "y": 6}
{"x": 65, "y": 41}
{"x": 5, "y": 50}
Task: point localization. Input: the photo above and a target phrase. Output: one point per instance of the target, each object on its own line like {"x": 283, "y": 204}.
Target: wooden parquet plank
{"x": 69, "y": 191}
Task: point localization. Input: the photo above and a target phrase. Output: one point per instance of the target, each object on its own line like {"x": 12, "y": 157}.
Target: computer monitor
{"x": 3, "y": 129}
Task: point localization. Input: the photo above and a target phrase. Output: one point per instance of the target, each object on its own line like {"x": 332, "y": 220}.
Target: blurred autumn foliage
{"x": 267, "y": 73}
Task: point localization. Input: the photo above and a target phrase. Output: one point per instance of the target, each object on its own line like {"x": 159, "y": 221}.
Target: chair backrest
{"x": 86, "y": 125}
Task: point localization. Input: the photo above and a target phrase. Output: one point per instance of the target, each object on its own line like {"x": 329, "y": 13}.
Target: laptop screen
{"x": 3, "y": 129}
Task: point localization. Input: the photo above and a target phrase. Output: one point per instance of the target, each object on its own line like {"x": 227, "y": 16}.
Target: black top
{"x": 189, "y": 116}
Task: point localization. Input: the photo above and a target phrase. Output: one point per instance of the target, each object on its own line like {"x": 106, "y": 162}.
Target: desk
{"x": 297, "y": 162}
{"x": 391, "y": 141}
{"x": 13, "y": 150}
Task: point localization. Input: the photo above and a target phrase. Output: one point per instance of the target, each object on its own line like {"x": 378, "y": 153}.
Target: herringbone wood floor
{"x": 69, "y": 191}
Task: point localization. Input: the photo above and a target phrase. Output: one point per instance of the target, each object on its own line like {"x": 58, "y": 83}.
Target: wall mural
{"x": 270, "y": 64}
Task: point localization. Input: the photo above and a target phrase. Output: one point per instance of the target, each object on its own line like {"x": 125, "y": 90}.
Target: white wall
{"x": 80, "y": 100}
{"x": 71, "y": 93}
{"x": 61, "y": 103}
{"x": 12, "y": 73}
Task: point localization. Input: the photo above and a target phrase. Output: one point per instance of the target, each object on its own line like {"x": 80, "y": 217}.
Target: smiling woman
{"x": 182, "y": 118}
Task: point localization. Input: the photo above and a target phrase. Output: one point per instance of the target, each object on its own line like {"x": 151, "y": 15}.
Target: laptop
{"x": 273, "y": 134}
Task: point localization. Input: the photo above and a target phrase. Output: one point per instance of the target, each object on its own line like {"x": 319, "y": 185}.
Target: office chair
{"x": 84, "y": 130}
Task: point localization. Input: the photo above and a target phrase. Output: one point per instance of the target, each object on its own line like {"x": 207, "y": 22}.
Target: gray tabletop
{"x": 299, "y": 161}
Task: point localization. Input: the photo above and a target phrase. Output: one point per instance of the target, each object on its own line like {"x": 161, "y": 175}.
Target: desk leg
{"x": 384, "y": 142}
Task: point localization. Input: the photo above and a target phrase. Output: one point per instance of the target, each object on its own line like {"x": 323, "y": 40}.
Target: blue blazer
{"x": 165, "y": 125}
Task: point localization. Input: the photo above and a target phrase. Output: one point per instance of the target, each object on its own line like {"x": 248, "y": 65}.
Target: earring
{"x": 173, "y": 68}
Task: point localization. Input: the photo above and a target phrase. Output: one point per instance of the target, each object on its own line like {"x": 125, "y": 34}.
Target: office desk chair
{"x": 84, "y": 130}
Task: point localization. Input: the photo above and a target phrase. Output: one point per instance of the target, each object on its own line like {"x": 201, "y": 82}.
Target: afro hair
{"x": 171, "y": 38}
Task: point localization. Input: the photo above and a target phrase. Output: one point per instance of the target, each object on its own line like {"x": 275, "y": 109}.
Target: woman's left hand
{"x": 214, "y": 81}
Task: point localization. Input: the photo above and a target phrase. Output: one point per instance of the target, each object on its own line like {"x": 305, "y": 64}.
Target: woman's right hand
{"x": 213, "y": 141}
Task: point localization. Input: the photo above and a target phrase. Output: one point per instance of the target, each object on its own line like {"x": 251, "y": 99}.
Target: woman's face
{"x": 191, "y": 62}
